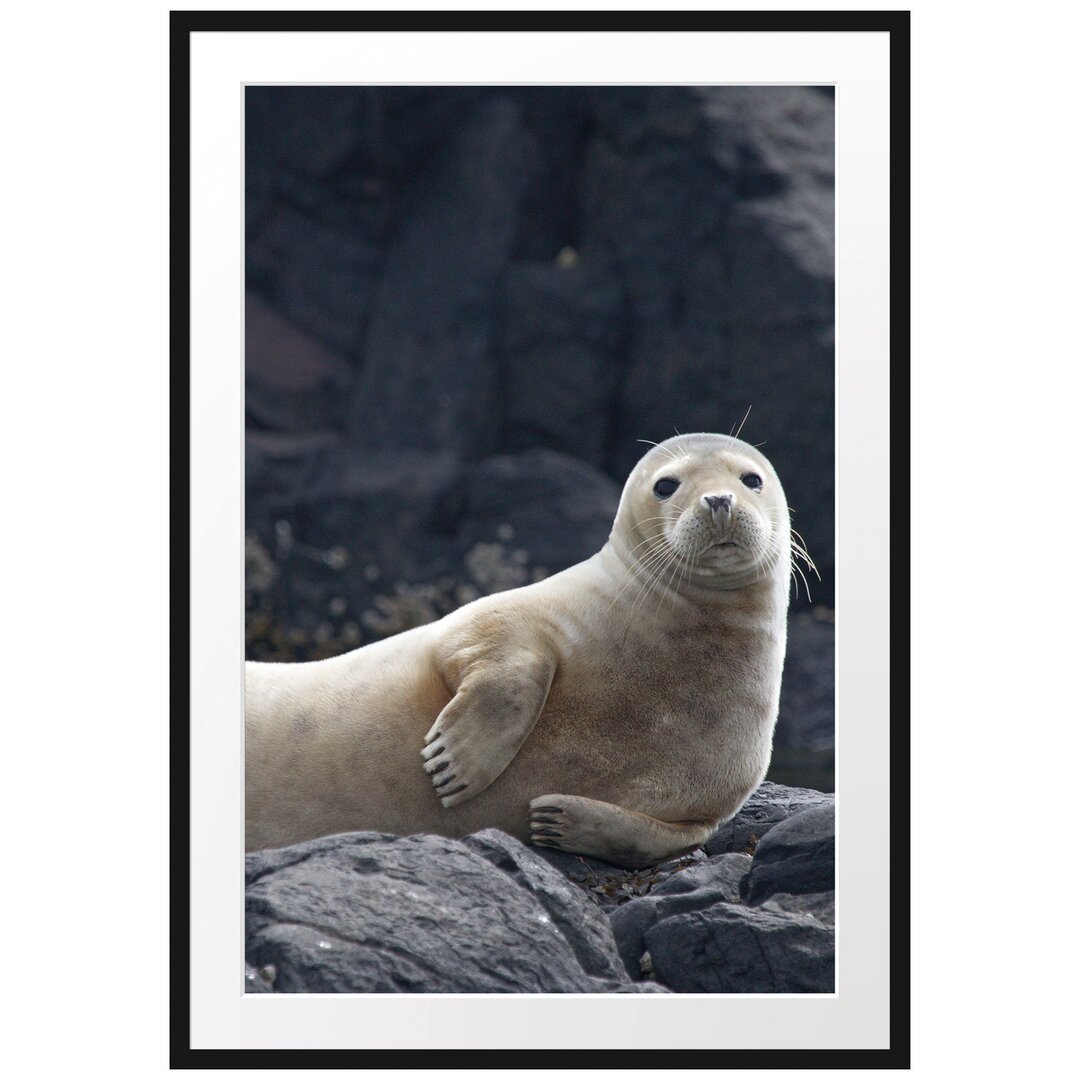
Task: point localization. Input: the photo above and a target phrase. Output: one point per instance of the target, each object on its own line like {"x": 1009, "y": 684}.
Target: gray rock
{"x": 701, "y": 886}
{"x": 329, "y": 172}
{"x": 408, "y": 483}
{"x": 355, "y": 549}
{"x": 807, "y": 698}
{"x": 805, "y": 730}
{"x": 293, "y": 382}
{"x": 381, "y": 541}
{"x": 370, "y": 912}
{"x": 722, "y": 873}
{"x": 259, "y": 981}
{"x": 730, "y": 948}
{"x": 285, "y": 136}
{"x": 428, "y": 377}
{"x": 558, "y": 509}
{"x": 363, "y": 912}
{"x": 796, "y": 856}
{"x": 318, "y": 273}
{"x": 589, "y": 938}
{"x": 767, "y": 806}
{"x": 562, "y": 329}
{"x": 607, "y": 885}
{"x": 782, "y": 139}
{"x": 822, "y": 906}
{"x": 314, "y": 135}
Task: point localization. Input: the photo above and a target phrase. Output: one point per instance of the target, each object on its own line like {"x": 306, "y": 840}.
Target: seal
{"x": 622, "y": 708}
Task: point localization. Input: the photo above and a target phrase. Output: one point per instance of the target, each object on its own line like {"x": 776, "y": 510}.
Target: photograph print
{"x": 539, "y": 539}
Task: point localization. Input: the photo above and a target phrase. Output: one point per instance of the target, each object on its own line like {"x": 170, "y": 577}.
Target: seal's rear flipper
{"x": 616, "y": 835}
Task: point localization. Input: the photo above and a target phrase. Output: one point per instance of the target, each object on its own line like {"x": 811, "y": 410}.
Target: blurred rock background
{"x": 465, "y": 305}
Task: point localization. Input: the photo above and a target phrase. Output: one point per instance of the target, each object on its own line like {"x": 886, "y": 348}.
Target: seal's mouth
{"x": 721, "y": 545}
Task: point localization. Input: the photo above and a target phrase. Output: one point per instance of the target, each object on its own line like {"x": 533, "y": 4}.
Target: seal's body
{"x": 623, "y": 708}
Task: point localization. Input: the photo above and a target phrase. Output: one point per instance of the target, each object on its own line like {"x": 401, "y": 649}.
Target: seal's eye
{"x": 665, "y": 487}
{"x": 752, "y": 481}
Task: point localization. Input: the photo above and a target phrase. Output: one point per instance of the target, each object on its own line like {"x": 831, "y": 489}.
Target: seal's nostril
{"x": 719, "y": 503}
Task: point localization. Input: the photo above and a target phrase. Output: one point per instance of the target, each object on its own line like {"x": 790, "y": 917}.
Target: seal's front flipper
{"x": 485, "y": 723}
{"x": 618, "y": 836}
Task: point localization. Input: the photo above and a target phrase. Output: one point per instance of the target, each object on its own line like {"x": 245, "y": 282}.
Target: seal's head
{"x": 707, "y": 510}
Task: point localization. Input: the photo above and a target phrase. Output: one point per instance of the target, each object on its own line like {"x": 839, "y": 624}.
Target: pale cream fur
{"x": 623, "y": 708}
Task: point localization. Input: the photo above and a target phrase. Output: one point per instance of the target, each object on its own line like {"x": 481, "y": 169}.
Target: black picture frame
{"x": 182, "y": 25}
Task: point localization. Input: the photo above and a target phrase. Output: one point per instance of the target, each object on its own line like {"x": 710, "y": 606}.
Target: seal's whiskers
{"x": 653, "y": 579}
{"x": 659, "y": 446}
{"x": 648, "y": 558}
{"x": 736, "y": 434}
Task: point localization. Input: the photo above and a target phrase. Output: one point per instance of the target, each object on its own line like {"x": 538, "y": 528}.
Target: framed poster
{"x": 437, "y": 279}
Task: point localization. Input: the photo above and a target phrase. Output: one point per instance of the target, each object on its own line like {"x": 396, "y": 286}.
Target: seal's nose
{"x": 720, "y": 505}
